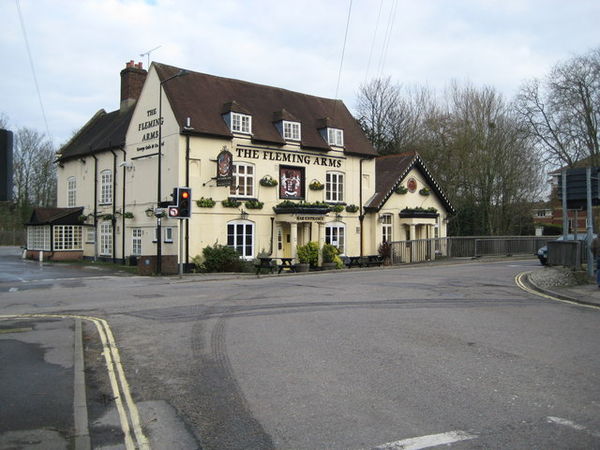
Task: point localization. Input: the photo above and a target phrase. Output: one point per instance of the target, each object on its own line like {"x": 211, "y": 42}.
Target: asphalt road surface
{"x": 409, "y": 357}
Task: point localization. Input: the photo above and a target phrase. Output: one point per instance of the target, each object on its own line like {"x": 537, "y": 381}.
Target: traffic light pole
{"x": 181, "y": 248}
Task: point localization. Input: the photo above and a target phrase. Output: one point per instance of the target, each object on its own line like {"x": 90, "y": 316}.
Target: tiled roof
{"x": 104, "y": 131}
{"x": 55, "y": 216}
{"x": 390, "y": 171}
{"x": 202, "y": 97}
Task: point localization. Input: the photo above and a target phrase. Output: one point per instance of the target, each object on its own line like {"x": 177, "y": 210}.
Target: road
{"x": 355, "y": 359}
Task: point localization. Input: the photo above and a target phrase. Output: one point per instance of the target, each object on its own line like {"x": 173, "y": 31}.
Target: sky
{"x": 79, "y": 47}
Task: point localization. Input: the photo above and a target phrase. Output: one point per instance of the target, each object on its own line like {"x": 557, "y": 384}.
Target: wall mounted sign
{"x": 224, "y": 168}
{"x": 291, "y": 182}
{"x": 411, "y": 184}
{"x": 289, "y": 157}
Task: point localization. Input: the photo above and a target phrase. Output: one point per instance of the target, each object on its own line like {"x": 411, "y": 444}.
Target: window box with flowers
{"x": 316, "y": 185}
{"x": 254, "y": 204}
{"x": 231, "y": 203}
{"x": 268, "y": 181}
{"x": 401, "y": 190}
{"x": 205, "y": 202}
{"x": 290, "y": 207}
{"x": 418, "y": 212}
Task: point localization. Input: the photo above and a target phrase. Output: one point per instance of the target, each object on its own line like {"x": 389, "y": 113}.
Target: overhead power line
{"x": 373, "y": 41}
{"x": 35, "y": 81}
{"x": 343, "y": 50}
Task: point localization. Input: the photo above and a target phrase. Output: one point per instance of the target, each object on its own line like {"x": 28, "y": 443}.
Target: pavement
{"x": 585, "y": 294}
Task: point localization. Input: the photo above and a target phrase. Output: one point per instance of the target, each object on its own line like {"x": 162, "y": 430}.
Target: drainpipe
{"x": 123, "y": 215}
{"x": 361, "y": 217}
{"x": 95, "y": 207}
{"x": 271, "y": 244}
{"x": 114, "y": 207}
{"x": 187, "y": 183}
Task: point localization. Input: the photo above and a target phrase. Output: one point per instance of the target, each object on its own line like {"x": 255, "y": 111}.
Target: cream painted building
{"x": 269, "y": 169}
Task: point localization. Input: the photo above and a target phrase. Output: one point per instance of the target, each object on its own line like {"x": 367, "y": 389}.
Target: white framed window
{"x": 291, "y": 130}
{"x": 90, "y": 236}
{"x": 386, "y": 228}
{"x": 241, "y": 123}
{"x": 68, "y": 237}
{"x": 136, "y": 241}
{"x": 38, "y": 238}
{"x": 71, "y": 192}
{"x": 335, "y": 234}
{"x": 335, "y": 136}
{"x": 334, "y": 187}
{"x": 240, "y": 236}
{"x": 243, "y": 180}
{"x": 168, "y": 235}
{"x": 106, "y": 239}
{"x": 106, "y": 187}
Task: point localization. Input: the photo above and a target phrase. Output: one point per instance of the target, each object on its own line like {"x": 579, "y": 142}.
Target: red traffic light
{"x": 185, "y": 194}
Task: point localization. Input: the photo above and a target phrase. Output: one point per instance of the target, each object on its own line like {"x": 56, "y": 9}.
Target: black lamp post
{"x": 158, "y": 211}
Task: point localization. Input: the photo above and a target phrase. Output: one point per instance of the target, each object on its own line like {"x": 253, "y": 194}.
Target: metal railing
{"x": 420, "y": 250}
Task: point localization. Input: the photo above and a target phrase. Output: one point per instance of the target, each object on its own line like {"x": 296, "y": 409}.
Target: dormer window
{"x": 335, "y": 136}
{"x": 241, "y": 123}
{"x": 291, "y": 131}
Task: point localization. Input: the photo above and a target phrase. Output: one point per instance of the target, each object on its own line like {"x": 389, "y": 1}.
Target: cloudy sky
{"x": 78, "y": 47}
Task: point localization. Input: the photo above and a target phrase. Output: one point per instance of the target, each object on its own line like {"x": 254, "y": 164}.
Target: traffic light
{"x": 184, "y": 202}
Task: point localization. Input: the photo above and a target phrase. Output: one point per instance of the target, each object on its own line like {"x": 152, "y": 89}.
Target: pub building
{"x": 269, "y": 170}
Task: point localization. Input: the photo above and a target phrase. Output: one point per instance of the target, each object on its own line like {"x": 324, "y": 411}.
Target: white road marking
{"x": 427, "y": 441}
{"x": 570, "y": 424}
{"x": 13, "y": 289}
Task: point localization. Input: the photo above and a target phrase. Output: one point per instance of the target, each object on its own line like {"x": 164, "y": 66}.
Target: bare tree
{"x": 391, "y": 116}
{"x": 563, "y": 111}
{"x": 3, "y": 121}
{"x": 34, "y": 170}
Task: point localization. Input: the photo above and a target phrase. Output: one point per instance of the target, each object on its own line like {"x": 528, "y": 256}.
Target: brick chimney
{"x": 132, "y": 80}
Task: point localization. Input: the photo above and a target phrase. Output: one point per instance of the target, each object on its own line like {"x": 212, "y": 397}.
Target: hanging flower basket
{"x": 316, "y": 185}
{"x": 337, "y": 208}
{"x": 401, "y": 190}
{"x": 351, "y": 208}
{"x": 128, "y": 215}
{"x": 268, "y": 181}
{"x": 425, "y": 191}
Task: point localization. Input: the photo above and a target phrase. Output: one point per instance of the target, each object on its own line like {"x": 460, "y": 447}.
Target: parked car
{"x": 542, "y": 253}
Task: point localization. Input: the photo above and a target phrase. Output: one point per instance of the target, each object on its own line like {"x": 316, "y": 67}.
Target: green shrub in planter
{"x": 309, "y": 254}
{"x": 219, "y": 258}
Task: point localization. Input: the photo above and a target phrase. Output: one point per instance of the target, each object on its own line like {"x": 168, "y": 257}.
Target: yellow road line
{"x": 520, "y": 283}
{"x": 116, "y": 375}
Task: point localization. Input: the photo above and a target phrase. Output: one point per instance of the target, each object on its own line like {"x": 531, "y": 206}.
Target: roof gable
{"x": 104, "y": 131}
{"x": 390, "y": 172}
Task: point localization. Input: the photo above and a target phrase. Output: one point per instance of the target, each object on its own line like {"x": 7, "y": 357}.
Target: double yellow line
{"x": 128, "y": 412}
{"x": 520, "y": 281}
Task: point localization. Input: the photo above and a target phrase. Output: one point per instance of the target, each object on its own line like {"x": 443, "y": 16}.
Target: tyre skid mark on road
{"x": 116, "y": 375}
